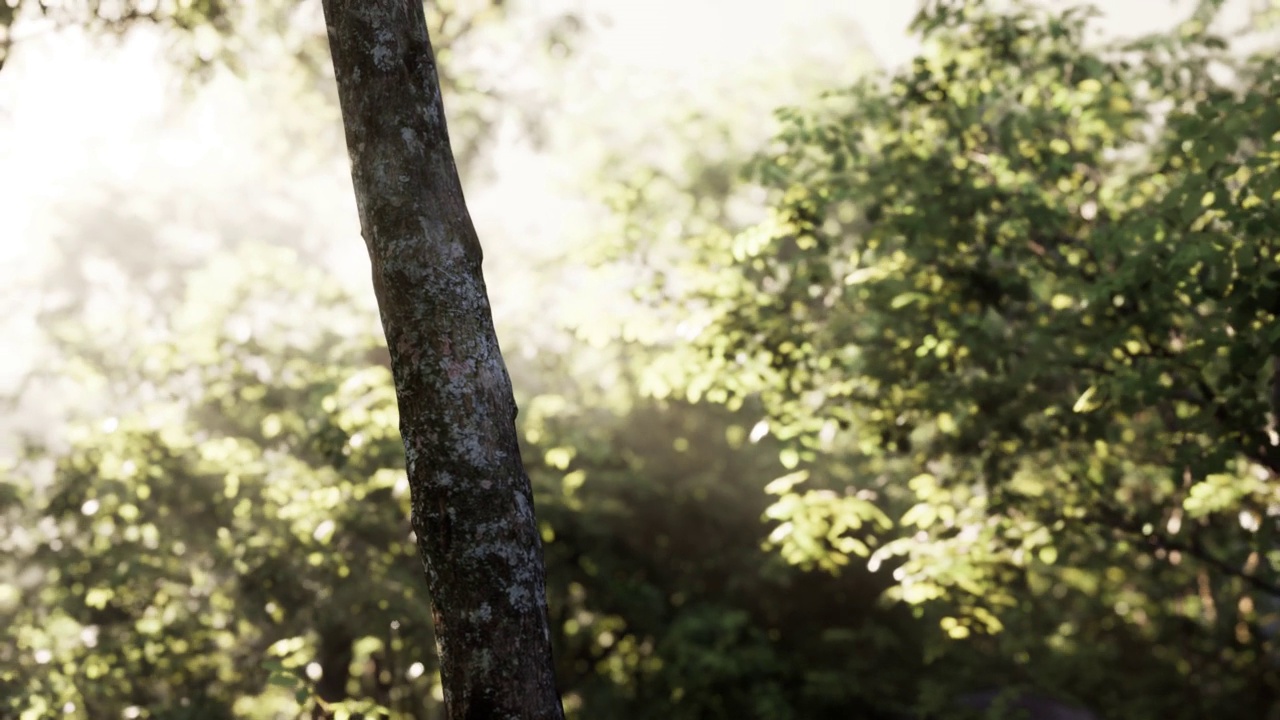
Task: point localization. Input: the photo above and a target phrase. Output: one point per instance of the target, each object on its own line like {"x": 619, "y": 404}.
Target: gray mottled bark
{"x": 472, "y": 504}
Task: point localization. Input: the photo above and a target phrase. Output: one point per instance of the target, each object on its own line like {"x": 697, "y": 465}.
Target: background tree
{"x": 1028, "y": 283}
{"x": 213, "y": 540}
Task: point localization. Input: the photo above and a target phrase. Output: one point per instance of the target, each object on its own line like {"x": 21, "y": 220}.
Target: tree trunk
{"x": 472, "y": 503}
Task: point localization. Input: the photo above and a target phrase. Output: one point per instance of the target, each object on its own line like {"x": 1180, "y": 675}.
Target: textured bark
{"x": 472, "y": 504}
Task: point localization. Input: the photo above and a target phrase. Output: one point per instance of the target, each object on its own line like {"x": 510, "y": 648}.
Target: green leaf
{"x": 1085, "y": 403}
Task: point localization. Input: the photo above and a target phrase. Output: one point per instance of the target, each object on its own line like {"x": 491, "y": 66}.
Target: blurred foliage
{"x": 236, "y": 542}
{"x": 213, "y": 32}
{"x": 1027, "y": 285}
{"x": 231, "y": 516}
{"x": 277, "y": 49}
{"x": 473, "y": 41}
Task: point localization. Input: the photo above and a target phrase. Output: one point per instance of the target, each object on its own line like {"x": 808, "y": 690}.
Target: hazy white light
{"x": 314, "y": 671}
{"x": 43, "y": 656}
{"x": 90, "y": 506}
{"x": 759, "y": 431}
{"x": 1249, "y": 521}
{"x": 240, "y": 329}
{"x": 415, "y": 671}
{"x": 324, "y": 531}
{"x": 828, "y": 433}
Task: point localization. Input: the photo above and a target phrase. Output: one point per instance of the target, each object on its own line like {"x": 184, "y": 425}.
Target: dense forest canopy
{"x": 986, "y": 399}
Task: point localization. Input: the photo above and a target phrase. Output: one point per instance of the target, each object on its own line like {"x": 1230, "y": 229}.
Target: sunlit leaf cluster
{"x": 1028, "y": 284}
{"x": 233, "y": 515}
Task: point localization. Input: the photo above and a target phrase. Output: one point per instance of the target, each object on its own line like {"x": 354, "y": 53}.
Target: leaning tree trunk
{"x": 472, "y": 504}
